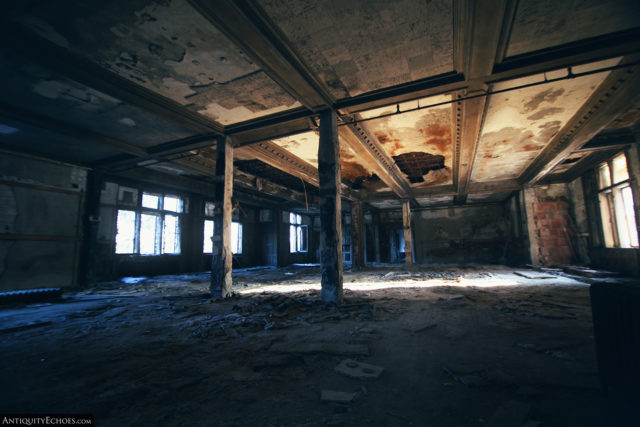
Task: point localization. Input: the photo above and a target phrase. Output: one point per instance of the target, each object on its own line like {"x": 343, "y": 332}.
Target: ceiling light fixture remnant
{"x": 8, "y": 130}
{"x": 126, "y": 121}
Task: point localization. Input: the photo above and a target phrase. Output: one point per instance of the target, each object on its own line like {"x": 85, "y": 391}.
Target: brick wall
{"x": 552, "y": 232}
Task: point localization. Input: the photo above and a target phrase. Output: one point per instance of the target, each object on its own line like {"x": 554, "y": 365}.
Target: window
{"x": 236, "y": 232}
{"x": 616, "y": 204}
{"x": 151, "y": 229}
{"x": 297, "y": 234}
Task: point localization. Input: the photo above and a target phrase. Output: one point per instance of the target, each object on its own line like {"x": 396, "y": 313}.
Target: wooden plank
{"x": 222, "y": 258}
{"x": 406, "y": 225}
{"x": 330, "y": 210}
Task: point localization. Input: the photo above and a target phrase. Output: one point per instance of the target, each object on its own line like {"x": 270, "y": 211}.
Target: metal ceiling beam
{"x": 617, "y": 92}
{"x": 479, "y": 39}
{"x": 279, "y": 158}
{"x": 244, "y": 23}
{"x": 371, "y": 153}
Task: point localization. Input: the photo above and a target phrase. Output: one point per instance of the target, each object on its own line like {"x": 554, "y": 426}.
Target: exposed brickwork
{"x": 552, "y": 232}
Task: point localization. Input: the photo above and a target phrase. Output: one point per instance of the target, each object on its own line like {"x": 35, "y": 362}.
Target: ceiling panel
{"x": 541, "y": 24}
{"x": 419, "y": 141}
{"x": 303, "y": 145}
{"x": 49, "y": 94}
{"x": 362, "y": 45}
{"x": 166, "y": 47}
{"x": 519, "y": 124}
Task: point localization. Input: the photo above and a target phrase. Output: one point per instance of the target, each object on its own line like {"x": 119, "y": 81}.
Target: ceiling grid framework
{"x": 157, "y": 81}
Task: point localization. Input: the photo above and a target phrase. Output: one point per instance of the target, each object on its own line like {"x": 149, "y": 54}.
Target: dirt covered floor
{"x": 451, "y": 347}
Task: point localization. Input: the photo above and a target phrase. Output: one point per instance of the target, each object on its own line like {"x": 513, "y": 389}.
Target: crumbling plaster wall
{"x": 40, "y": 212}
{"x": 460, "y": 234}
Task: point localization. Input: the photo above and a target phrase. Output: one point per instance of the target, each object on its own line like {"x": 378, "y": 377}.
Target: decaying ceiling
{"x": 430, "y": 107}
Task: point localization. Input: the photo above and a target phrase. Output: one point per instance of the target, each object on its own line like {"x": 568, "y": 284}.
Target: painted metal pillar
{"x": 406, "y": 224}
{"x": 330, "y": 205}
{"x": 357, "y": 234}
{"x": 376, "y": 235}
{"x": 222, "y": 258}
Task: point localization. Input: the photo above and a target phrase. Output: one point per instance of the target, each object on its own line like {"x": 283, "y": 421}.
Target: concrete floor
{"x": 459, "y": 347}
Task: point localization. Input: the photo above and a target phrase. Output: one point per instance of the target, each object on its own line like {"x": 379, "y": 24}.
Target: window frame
{"x": 298, "y": 234}
{"x": 211, "y": 218}
{"x": 609, "y": 196}
{"x": 160, "y": 229}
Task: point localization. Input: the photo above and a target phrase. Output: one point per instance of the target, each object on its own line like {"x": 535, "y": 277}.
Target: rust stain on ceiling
{"x": 169, "y": 48}
{"x": 519, "y": 124}
{"x": 362, "y": 45}
{"x": 303, "y": 145}
{"x": 422, "y": 135}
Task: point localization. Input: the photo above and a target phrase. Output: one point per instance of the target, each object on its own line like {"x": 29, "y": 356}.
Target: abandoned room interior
{"x": 321, "y": 212}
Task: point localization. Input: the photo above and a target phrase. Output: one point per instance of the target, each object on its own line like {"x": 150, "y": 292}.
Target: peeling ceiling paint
{"x": 427, "y": 131}
{"x": 169, "y": 48}
{"x": 541, "y": 24}
{"x": 434, "y": 200}
{"x": 520, "y": 123}
{"x": 362, "y": 45}
{"x": 303, "y": 145}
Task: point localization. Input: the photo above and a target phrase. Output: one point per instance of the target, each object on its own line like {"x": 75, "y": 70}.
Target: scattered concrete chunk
{"x": 338, "y": 396}
{"x": 534, "y": 275}
{"x": 359, "y": 370}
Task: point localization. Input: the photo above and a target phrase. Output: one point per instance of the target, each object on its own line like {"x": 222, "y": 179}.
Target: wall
{"x": 460, "y": 234}
{"x": 549, "y": 218}
{"x": 40, "y": 222}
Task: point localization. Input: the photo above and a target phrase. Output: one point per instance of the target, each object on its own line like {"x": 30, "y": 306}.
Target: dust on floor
{"x": 453, "y": 347}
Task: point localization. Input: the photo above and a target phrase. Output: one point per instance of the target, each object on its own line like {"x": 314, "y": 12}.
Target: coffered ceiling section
{"x": 418, "y": 141}
{"x": 166, "y": 47}
{"x": 519, "y": 124}
{"x": 363, "y": 45}
{"x": 541, "y": 24}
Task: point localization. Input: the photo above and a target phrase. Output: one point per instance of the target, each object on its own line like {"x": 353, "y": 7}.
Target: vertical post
{"x": 86, "y": 272}
{"x": 330, "y": 205}
{"x": 357, "y": 234}
{"x": 222, "y": 259}
{"x": 406, "y": 224}
{"x": 376, "y": 235}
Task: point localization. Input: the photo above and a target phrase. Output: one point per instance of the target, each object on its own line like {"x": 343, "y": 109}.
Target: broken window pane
{"x": 236, "y": 238}
{"x": 150, "y": 200}
{"x": 604, "y": 177}
{"x": 149, "y": 234}
{"x": 171, "y": 235}
{"x": 126, "y": 232}
{"x": 619, "y": 168}
{"x": 208, "y": 234}
{"x": 173, "y": 204}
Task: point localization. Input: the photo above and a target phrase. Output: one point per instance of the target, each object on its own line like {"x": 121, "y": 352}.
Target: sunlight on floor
{"x": 409, "y": 283}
